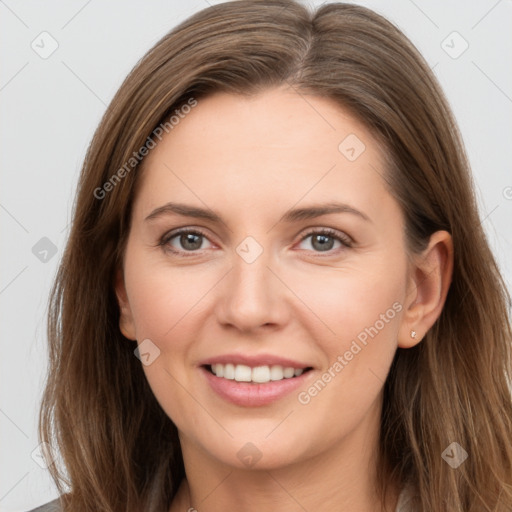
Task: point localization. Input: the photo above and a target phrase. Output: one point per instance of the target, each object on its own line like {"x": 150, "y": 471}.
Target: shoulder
{"x": 51, "y": 506}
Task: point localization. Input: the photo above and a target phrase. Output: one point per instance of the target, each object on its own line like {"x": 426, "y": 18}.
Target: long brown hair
{"x": 118, "y": 449}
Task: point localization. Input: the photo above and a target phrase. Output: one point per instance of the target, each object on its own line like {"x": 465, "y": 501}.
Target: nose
{"x": 252, "y": 296}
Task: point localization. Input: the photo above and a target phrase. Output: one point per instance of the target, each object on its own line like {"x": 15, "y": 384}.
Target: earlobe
{"x": 126, "y": 323}
{"x": 428, "y": 286}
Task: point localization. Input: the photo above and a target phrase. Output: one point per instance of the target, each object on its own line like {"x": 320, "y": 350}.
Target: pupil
{"x": 324, "y": 246}
{"x": 189, "y": 237}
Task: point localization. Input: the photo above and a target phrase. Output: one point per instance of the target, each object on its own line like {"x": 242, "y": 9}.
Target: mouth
{"x": 255, "y": 375}
{"x": 254, "y": 386}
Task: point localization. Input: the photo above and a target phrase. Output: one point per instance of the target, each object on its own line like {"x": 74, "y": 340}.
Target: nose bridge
{"x": 252, "y": 293}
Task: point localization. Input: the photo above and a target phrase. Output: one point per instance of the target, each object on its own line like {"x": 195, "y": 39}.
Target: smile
{"x": 257, "y": 374}
{"x": 256, "y": 386}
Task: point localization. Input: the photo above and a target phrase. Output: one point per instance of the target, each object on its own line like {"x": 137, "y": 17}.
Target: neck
{"x": 342, "y": 479}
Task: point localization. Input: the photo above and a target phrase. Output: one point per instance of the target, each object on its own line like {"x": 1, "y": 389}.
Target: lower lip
{"x": 250, "y": 394}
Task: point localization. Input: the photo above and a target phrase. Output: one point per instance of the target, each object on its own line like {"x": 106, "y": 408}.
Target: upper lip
{"x": 255, "y": 360}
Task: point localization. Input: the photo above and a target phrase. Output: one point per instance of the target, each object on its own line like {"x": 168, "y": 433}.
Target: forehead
{"x": 279, "y": 145}
{"x": 278, "y": 119}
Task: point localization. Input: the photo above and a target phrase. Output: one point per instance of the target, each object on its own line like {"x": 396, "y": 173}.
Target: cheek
{"x": 357, "y": 301}
{"x": 164, "y": 298}
{"x": 363, "y": 310}
{"x": 337, "y": 305}
{"x": 165, "y": 304}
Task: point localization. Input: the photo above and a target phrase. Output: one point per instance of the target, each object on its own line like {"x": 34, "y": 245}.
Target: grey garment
{"x": 51, "y": 506}
{"x": 403, "y": 505}
{"x": 406, "y": 499}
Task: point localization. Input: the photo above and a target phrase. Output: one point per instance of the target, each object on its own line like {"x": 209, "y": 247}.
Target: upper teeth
{"x": 260, "y": 374}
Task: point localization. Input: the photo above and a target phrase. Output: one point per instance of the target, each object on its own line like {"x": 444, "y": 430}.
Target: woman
{"x": 277, "y": 293}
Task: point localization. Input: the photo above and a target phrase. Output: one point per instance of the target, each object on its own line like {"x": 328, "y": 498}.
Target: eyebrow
{"x": 296, "y": 215}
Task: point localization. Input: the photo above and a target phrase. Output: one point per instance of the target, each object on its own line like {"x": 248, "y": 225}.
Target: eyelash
{"x": 345, "y": 241}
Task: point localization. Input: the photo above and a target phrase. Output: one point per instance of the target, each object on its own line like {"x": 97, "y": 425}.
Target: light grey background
{"x": 51, "y": 106}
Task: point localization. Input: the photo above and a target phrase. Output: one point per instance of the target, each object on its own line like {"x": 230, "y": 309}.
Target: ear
{"x": 429, "y": 280}
{"x": 126, "y": 323}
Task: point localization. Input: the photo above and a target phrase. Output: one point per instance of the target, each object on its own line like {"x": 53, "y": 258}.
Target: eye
{"x": 189, "y": 240}
{"x": 323, "y": 240}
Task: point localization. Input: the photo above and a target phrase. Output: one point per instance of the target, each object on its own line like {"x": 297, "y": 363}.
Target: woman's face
{"x": 264, "y": 282}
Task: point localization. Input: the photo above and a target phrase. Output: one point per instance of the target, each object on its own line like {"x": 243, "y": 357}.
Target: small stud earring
{"x": 413, "y": 334}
